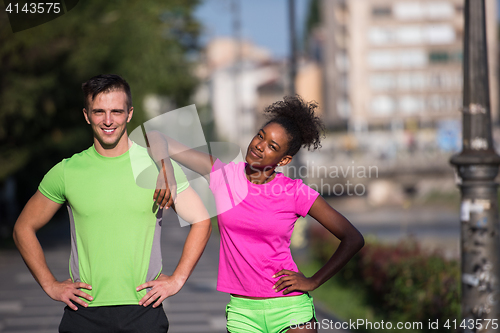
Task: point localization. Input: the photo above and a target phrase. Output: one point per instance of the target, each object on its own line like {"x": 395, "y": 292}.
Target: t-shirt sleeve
{"x": 217, "y": 174}
{"x": 304, "y": 198}
{"x": 52, "y": 184}
{"x": 180, "y": 177}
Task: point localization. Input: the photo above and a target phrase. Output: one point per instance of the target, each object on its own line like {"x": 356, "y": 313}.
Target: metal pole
{"x": 293, "y": 46}
{"x": 477, "y": 165}
{"x": 237, "y": 69}
{"x": 293, "y": 169}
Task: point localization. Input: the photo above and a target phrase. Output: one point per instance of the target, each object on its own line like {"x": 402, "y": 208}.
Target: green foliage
{"x": 410, "y": 284}
{"x": 401, "y": 282}
{"x": 42, "y": 69}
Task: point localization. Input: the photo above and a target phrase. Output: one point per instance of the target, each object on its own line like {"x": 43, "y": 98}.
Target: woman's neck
{"x": 259, "y": 176}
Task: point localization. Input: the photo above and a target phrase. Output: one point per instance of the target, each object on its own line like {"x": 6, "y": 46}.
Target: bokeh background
{"x": 387, "y": 78}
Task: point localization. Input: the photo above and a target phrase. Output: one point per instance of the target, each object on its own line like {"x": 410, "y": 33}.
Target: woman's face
{"x": 268, "y": 147}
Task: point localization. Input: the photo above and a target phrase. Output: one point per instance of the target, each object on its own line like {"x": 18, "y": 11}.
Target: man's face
{"x": 108, "y": 115}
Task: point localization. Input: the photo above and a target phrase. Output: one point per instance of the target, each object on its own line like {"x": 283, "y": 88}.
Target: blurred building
{"x": 397, "y": 64}
{"x": 233, "y": 73}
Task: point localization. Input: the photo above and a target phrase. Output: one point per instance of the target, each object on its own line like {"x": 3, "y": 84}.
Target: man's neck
{"x": 119, "y": 149}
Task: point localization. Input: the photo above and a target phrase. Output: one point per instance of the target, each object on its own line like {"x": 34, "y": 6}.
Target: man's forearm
{"x": 193, "y": 249}
{"x": 37, "y": 212}
{"x": 191, "y": 209}
{"x": 32, "y": 253}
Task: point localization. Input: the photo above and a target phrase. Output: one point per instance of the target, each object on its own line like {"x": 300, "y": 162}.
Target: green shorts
{"x": 272, "y": 315}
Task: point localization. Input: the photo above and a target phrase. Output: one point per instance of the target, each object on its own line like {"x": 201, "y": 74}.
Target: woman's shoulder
{"x": 287, "y": 180}
{"x": 218, "y": 164}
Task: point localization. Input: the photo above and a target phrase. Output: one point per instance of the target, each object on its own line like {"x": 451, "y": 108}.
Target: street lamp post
{"x": 293, "y": 46}
{"x": 477, "y": 165}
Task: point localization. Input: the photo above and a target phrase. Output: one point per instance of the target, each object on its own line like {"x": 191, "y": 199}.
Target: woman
{"x": 257, "y": 209}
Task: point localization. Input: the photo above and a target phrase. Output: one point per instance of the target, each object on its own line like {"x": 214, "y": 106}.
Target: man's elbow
{"x": 204, "y": 224}
{"x": 17, "y": 233}
{"x": 203, "y": 228}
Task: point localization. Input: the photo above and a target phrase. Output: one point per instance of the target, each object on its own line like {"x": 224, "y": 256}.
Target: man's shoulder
{"x": 83, "y": 155}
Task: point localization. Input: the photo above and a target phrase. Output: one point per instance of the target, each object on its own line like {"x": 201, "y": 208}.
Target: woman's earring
{"x": 279, "y": 164}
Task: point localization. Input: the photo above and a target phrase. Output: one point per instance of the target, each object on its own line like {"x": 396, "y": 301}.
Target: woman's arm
{"x": 351, "y": 241}
{"x": 163, "y": 148}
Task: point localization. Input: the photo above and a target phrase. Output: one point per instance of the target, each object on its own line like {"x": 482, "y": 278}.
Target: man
{"x": 116, "y": 282}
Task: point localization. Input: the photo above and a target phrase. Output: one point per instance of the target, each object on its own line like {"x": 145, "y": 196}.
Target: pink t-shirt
{"x": 256, "y": 223}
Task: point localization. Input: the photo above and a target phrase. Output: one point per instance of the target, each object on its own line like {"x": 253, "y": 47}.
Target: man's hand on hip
{"x": 163, "y": 287}
{"x": 68, "y": 291}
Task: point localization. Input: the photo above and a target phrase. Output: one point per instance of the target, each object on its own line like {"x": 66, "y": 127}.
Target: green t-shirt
{"x": 115, "y": 226}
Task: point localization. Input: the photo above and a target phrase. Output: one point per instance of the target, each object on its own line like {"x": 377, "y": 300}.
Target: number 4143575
{"x": 472, "y": 324}
{"x": 34, "y": 8}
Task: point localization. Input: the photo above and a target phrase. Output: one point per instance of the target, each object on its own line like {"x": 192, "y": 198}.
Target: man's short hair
{"x": 105, "y": 83}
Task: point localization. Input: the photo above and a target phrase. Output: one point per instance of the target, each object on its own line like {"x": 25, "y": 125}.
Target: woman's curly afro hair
{"x": 298, "y": 119}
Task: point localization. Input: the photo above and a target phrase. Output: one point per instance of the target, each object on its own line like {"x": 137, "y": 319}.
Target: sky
{"x": 264, "y": 22}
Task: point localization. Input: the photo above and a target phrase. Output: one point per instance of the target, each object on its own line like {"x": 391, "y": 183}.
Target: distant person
{"x": 257, "y": 208}
{"x": 115, "y": 262}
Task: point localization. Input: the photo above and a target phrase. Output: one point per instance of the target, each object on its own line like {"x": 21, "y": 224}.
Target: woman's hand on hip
{"x": 293, "y": 281}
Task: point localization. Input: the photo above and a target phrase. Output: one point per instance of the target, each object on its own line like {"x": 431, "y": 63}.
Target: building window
{"x": 440, "y": 34}
{"x": 411, "y": 104}
{"x": 381, "y": 59}
{"x": 433, "y": 34}
{"x": 343, "y": 83}
{"x": 436, "y": 10}
{"x": 444, "y": 56}
{"x": 343, "y": 107}
{"x": 380, "y": 36}
{"x": 408, "y": 11}
{"x": 411, "y": 81}
{"x": 439, "y": 10}
{"x": 438, "y": 56}
{"x": 342, "y": 61}
{"x": 409, "y": 35}
{"x": 412, "y": 58}
{"x": 440, "y": 103}
{"x": 382, "y": 105}
{"x": 382, "y": 82}
{"x": 381, "y": 11}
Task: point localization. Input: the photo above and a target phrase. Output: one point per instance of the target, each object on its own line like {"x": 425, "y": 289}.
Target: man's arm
{"x": 190, "y": 207}
{"x": 37, "y": 213}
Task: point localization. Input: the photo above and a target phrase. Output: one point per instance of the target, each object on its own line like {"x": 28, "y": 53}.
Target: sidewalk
{"x": 197, "y": 308}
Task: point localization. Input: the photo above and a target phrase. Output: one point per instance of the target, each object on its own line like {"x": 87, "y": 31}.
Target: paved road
{"x": 197, "y": 308}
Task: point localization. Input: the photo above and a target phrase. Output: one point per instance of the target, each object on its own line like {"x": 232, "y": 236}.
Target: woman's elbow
{"x": 359, "y": 241}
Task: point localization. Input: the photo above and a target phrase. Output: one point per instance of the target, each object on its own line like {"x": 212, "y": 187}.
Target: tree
{"x": 42, "y": 68}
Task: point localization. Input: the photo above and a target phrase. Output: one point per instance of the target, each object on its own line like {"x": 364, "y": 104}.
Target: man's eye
{"x": 273, "y": 147}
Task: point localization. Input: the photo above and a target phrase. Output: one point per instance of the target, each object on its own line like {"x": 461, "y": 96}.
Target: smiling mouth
{"x": 255, "y": 154}
{"x": 109, "y": 130}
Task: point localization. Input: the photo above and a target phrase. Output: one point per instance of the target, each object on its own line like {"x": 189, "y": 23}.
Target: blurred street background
{"x": 386, "y": 74}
